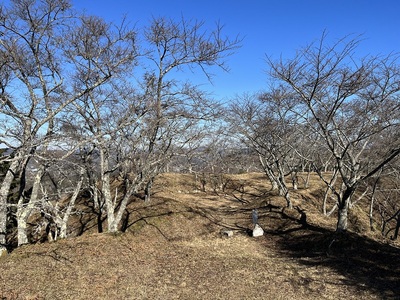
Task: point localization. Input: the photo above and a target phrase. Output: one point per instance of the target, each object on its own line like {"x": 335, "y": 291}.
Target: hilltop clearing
{"x": 173, "y": 248}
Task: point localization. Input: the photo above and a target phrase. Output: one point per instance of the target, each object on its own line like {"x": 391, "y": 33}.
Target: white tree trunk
{"x": 307, "y": 182}
{"x": 4, "y": 191}
{"x": 277, "y": 180}
{"x": 71, "y": 204}
{"x": 287, "y": 198}
{"x": 24, "y": 210}
{"x": 109, "y": 202}
{"x": 22, "y": 231}
{"x": 274, "y": 185}
{"x": 329, "y": 188}
{"x": 295, "y": 181}
{"x": 132, "y": 189}
{"x": 342, "y": 219}
{"x": 343, "y": 209}
{"x": 106, "y": 192}
{"x": 283, "y": 189}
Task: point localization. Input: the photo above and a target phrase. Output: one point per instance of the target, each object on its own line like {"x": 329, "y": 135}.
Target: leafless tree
{"x": 177, "y": 112}
{"x": 50, "y": 58}
{"x": 384, "y": 201}
{"x": 352, "y": 103}
{"x": 64, "y": 184}
{"x": 268, "y": 126}
{"x": 179, "y": 107}
{"x": 108, "y": 116}
{"x": 67, "y": 83}
{"x": 137, "y": 127}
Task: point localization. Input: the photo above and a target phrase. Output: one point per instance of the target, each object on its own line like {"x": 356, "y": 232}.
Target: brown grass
{"x": 173, "y": 248}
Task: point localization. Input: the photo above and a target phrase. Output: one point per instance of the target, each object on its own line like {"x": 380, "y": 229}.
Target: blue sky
{"x": 272, "y": 27}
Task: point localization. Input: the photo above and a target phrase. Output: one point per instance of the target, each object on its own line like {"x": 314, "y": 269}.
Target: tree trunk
{"x": 326, "y": 194}
{"x": 294, "y": 180}
{"x": 371, "y": 215}
{"x": 342, "y": 219}
{"x": 99, "y": 210}
{"x": 328, "y": 214}
{"x": 147, "y": 191}
{"x": 22, "y": 231}
{"x": 330, "y": 186}
{"x": 288, "y": 201}
{"x": 371, "y": 206}
{"x": 24, "y": 210}
{"x": 307, "y": 182}
{"x": 279, "y": 183}
{"x": 112, "y": 224}
{"x": 343, "y": 209}
{"x": 271, "y": 177}
{"x": 283, "y": 189}
{"x": 109, "y": 202}
{"x": 396, "y": 231}
{"x": 71, "y": 204}
{"x": 122, "y": 207}
{"x": 269, "y": 173}
{"x": 274, "y": 185}
{"x": 98, "y": 203}
{"x": 4, "y": 191}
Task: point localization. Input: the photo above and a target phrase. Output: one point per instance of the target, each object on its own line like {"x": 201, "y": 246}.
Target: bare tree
{"x": 268, "y": 126}
{"x": 108, "y": 115}
{"x": 136, "y": 129}
{"x": 29, "y": 67}
{"x": 181, "y": 107}
{"x": 384, "y": 201}
{"x": 178, "y": 112}
{"x": 353, "y": 104}
{"x": 66, "y": 81}
{"x": 61, "y": 186}
{"x": 50, "y": 59}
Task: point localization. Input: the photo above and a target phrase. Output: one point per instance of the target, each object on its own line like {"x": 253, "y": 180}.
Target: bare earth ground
{"x": 173, "y": 249}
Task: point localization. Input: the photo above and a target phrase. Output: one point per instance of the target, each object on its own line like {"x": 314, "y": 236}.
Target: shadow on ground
{"x": 362, "y": 262}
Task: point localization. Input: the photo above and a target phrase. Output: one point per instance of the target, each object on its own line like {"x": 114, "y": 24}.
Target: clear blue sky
{"x": 272, "y": 27}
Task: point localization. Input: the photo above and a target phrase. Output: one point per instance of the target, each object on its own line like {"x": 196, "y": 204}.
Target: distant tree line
{"x": 95, "y": 110}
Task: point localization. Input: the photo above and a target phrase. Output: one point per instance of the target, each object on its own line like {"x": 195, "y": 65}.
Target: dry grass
{"x": 173, "y": 248}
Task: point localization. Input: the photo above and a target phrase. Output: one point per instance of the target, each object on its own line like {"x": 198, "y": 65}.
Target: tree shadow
{"x": 360, "y": 261}
{"x": 239, "y": 194}
{"x": 363, "y": 262}
{"x": 154, "y": 214}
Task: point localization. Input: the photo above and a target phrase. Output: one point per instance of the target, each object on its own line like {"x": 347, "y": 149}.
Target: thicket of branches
{"x": 330, "y": 112}
{"x": 85, "y": 105}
